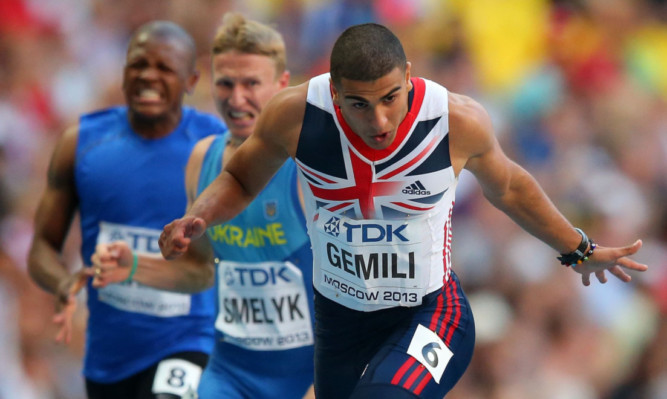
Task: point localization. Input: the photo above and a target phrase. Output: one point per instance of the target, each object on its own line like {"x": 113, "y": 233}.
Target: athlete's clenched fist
{"x": 177, "y": 235}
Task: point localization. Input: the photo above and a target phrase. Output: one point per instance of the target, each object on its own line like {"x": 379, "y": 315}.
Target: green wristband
{"x": 135, "y": 262}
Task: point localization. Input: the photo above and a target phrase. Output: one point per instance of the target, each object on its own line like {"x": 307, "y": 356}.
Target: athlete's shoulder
{"x": 103, "y": 117}
{"x": 319, "y": 92}
{"x": 202, "y": 124}
{"x": 320, "y": 82}
{"x": 95, "y": 127}
{"x": 469, "y": 125}
{"x": 195, "y": 163}
{"x": 432, "y": 87}
{"x": 284, "y": 112}
{"x": 201, "y": 148}
{"x": 290, "y": 97}
{"x": 466, "y": 113}
{"x": 66, "y": 145}
{"x": 432, "y": 96}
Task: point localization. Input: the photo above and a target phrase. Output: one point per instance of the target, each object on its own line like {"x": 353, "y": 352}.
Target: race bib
{"x": 427, "y": 347}
{"x": 177, "y": 377}
{"x": 371, "y": 264}
{"x": 263, "y": 306}
{"x": 133, "y": 296}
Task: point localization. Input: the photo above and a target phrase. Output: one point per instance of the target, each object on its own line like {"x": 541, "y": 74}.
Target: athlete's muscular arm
{"x": 193, "y": 272}
{"x": 250, "y": 168}
{"x": 51, "y": 225}
{"x": 514, "y": 191}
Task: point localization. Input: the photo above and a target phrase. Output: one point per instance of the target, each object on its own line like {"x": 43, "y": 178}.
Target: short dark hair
{"x": 168, "y": 30}
{"x": 366, "y": 52}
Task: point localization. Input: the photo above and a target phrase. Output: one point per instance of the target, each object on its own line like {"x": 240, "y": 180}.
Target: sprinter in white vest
{"x": 379, "y": 154}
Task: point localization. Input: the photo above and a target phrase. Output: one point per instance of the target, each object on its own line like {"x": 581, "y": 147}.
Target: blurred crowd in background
{"x": 577, "y": 91}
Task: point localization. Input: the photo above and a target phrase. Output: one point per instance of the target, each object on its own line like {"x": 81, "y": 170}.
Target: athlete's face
{"x": 242, "y": 85}
{"x": 375, "y": 109}
{"x": 158, "y": 72}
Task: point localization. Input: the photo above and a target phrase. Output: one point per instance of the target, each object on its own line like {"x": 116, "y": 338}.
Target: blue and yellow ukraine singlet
{"x": 129, "y": 187}
{"x": 264, "y": 278}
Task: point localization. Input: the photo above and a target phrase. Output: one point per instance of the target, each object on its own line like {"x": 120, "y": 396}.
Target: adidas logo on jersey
{"x": 416, "y": 188}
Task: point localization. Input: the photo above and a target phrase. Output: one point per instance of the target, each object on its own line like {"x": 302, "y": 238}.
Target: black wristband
{"x": 581, "y": 253}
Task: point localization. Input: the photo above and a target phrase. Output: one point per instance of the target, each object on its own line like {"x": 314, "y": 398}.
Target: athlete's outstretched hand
{"x": 66, "y": 304}
{"x": 176, "y": 236}
{"x": 613, "y": 260}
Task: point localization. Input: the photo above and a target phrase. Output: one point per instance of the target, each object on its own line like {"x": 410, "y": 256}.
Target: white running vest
{"x": 379, "y": 220}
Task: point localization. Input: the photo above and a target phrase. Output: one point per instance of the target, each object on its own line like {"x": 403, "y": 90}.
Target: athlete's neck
{"x": 234, "y": 141}
{"x": 154, "y": 127}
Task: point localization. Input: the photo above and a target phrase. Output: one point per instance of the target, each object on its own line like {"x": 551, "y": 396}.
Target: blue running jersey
{"x": 264, "y": 330}
{"x": 129, "y": 187}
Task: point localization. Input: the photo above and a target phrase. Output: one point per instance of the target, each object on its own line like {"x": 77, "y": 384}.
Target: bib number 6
{"x": 430, "y": 353}
{"x": 429, "y": 350}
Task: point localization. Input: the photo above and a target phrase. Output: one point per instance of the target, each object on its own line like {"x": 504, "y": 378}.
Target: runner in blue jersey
{"x": 264, "y": 346}
{"x": 379, "y": 153}
{"x": 122, "y": 168}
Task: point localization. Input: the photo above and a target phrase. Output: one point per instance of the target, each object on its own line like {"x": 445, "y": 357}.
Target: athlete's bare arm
{"x": 54, "y": 216}
{"x": 514, "y": 191}
{"x": 52, "y": 222}
{"x": 191, "y": 273}
{"x": 248, "y": 171}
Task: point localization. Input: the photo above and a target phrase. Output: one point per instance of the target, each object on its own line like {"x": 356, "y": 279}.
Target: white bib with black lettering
{"x": 263, "y": 306}
{"x": 371, "y": 264}
{"x": 133, "y": 296}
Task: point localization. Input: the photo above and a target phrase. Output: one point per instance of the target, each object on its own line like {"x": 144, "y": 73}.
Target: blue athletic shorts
{"x": 224, "y": 378}
{"x": 401, "y": 352}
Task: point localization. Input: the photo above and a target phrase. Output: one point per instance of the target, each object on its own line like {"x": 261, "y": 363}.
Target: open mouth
{"x": 380, "y": 137}
{"x": 148, "y": 96}
{"x": 240, "y": 116}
